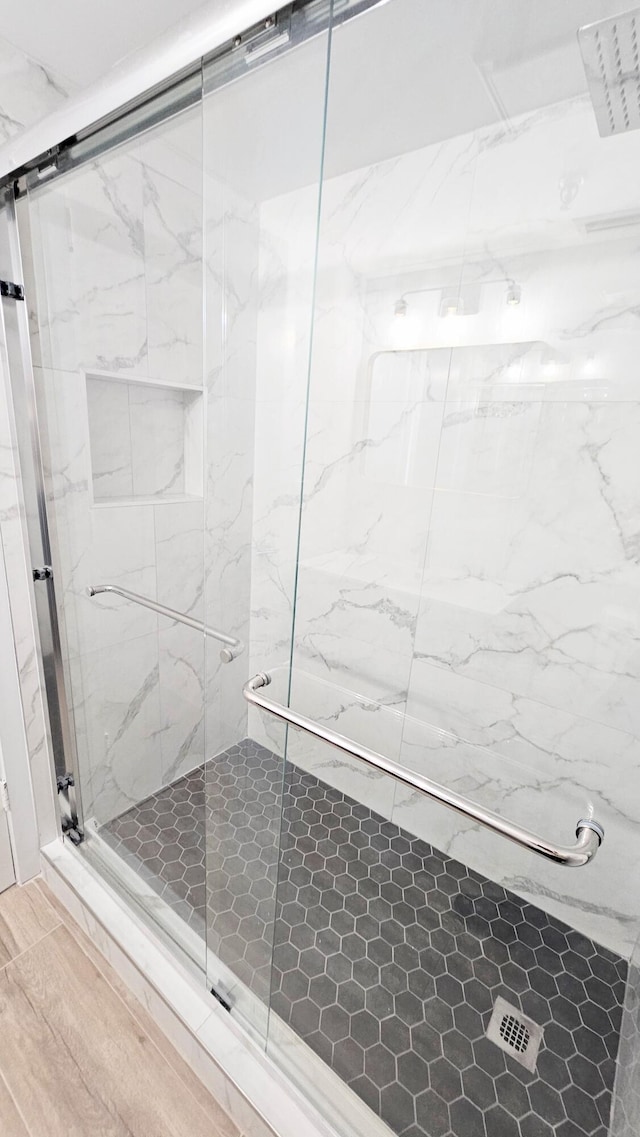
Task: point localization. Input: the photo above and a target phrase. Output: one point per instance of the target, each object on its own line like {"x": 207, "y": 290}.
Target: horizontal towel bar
{"x": 234, "y": 647}
{"x": 589, "y": 833}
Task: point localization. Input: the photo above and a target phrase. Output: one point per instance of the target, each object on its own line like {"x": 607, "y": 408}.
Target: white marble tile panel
{"x": 279, "y": 434}
{"x": 172, "y": 218}
{"x": 383, "y": 208}
{"x": 109, "y": 439}
{"x": 179, "y": 546}
{"x": 157, "y": 440}
{"x": 181, "y": 661}
{"x": 346, "y": 623}
{"x": 228, "y": 559}
{"x": 226, "y": 711}
{"x": 194, "y": 443}
{"x": 92, "y": 310}
{"x": 120, "y": 700}
{"x": 29, "y": 90}
{"x": 174, "y": 149}
{"x": 370, "y": 723}
{"x": 99, "y": 545}
{"x": 527, "y": 188}
{"x": 121, "y": 551}
{"x": 531, "y": 580}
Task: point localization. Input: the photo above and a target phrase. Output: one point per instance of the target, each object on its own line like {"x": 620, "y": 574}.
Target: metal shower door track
{"x": 182, "y": 87}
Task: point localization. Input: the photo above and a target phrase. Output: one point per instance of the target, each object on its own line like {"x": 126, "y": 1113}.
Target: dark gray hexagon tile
{"x": 387, "y": 955}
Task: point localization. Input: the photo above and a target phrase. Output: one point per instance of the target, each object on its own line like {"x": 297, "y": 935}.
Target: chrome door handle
{"x": 589, "y": 833}
{"x": 233, "y": 647}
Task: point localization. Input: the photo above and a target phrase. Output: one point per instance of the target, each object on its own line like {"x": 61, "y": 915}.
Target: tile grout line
{"x": 28, "y": 1129}
{"x": 69, "y": 927}
{"x": 3, "y": 970}
{"x": 28, "y": 949}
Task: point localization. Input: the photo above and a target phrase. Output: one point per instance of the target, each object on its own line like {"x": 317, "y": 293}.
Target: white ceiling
{"x": 409, "y": 74}
{"x": 80, "y": 41}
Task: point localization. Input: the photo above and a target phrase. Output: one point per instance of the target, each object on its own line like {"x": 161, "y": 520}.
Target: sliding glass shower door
{"x": 171, "y": 327}
{"x": 467, "y": 590}
{"x": 116, "y": 295}
{"x": 259, "y": 144}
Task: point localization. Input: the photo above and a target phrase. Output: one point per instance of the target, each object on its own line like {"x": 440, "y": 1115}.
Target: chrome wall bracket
{"x": 65, "y": 785}
{"x": 13, "y": 291}
{"x": 44, "y": 573}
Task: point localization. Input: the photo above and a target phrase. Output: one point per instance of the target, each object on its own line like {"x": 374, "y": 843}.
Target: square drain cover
{"x": 514, "y": 1033}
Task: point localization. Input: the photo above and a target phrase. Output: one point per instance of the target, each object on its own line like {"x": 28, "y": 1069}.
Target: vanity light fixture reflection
{"x": 452, "y": 304}
{"x": 455, "y": 300}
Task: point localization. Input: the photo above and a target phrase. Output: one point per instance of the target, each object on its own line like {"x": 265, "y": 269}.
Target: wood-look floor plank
{"x": 11, "y": 1124}
{"x": 75, "y": 1059}
{"x": 222, "y": 1123}
{"x": 25, "y": 917}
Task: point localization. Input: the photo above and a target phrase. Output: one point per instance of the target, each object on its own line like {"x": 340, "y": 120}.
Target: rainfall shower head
{"x": 611, "y": 56}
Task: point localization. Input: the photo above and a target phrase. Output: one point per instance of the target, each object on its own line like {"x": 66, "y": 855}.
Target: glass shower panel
{"x": 117, "y": 252}
{"x": 467, "y": 591}
{"x": 263, "y": 134}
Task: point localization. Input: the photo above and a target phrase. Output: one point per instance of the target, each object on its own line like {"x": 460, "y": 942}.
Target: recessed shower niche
{"x": 145, "y": 439}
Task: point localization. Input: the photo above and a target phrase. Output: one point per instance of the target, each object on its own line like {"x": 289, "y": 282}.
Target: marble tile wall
{"x": 29, "y": 90}
{"x": 260, "y": 273}
{"x": 118, "y": 252}
{"x": 231, "y": 257}
{"x": 138, "y": 440}
{"x": 468, "y": 587}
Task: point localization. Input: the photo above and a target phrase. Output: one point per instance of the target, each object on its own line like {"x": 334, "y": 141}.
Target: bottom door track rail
{"x": 588, "y": 832}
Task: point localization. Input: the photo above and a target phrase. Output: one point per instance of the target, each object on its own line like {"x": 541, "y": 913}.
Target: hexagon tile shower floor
{"x": 388, "y": 957}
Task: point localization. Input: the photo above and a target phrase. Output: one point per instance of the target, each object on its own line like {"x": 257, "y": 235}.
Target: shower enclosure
{"x": 330, "y": 375}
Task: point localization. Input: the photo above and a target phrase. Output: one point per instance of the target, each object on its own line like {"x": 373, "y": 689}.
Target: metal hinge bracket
{"x": 44, "y": 573}
{"x": 4, "y": 797}
{"x": 63, "y": 781}
{"x": 13, "y": 291}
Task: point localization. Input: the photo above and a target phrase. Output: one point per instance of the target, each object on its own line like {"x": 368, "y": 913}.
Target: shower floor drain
{"x": 514, "y": 1033}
